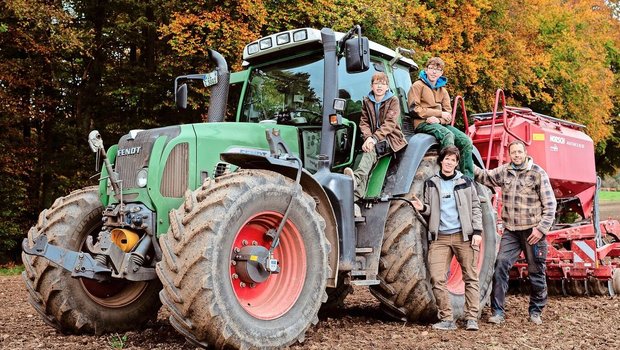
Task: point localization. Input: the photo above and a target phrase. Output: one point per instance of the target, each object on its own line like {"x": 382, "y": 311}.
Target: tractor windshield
{"x": 292, "y": 92}
{"x": 285, "y": 92}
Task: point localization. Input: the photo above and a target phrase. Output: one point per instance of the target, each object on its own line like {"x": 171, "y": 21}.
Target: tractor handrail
{"x": 460, "y": 99}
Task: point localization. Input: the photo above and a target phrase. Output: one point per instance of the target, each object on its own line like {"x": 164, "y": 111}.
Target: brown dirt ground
{"x": 569, "y": 323}
{"x": 610, "y": 210}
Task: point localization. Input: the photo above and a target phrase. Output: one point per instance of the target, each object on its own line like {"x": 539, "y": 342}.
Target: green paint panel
{"x": 375, "y": 183}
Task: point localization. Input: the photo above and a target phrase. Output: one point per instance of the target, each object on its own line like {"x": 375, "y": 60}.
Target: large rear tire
{"x": 80, "y": 305}
{"x": 405, "y": 289}
{"x": 208, "y": 302}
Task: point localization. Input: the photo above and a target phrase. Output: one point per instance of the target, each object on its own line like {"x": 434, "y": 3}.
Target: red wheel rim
{"x": 455, "y": 282}
{"x": 277, "y": 295}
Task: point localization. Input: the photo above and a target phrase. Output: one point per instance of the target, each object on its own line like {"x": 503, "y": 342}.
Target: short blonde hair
{"x": 380, "y": 76}
{"x": 435, "y": 61}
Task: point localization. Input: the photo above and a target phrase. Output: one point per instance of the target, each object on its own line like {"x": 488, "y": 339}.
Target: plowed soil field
{"x": 569, "y": 323}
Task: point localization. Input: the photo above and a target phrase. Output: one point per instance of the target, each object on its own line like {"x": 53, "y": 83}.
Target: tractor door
{"x": 235, "y": 91}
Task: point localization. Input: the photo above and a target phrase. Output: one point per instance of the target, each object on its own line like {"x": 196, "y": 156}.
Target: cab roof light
{"x": 265, "y": 43}
{"x": 280, "y": 41}
{"x": 252, "y": 48}
{"x": 300, "y": 35}
{"x": 283, "y": 38}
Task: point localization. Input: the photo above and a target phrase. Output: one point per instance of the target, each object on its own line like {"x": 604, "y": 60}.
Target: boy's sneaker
{"x": 497, "y": 319}
{"x": 357, "y": 211}
{"x": 535, "y": 319}
{"x": 445, "y": 326}
{"x": 472, "y": 325}
{"x": 349, "y": 172}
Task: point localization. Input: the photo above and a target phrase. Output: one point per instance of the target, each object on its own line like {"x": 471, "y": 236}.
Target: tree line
{"x": 67, "y": 67}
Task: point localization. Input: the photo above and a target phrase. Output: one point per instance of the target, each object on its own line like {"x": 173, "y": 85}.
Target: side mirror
{"x": 357, "y": 54}
{"x": 180, "y": 96}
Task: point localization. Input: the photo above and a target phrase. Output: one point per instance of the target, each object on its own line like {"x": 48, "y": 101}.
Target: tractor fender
{"x": 410, "y": 160}
{"x": 310, "y": 185}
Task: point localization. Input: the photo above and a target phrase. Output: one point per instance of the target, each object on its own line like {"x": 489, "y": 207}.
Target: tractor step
{"x": 357, "y": 273}
{"x": 365, "y": 282}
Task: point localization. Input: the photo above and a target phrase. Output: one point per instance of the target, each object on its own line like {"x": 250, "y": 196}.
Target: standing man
{"x": 379, "y": 124}
{"x": 455, "y": 222}
{"x": 429, "y": 103}
{"x": 528, "y": 213}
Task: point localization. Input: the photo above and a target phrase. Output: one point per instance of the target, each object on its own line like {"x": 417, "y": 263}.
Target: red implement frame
{"x": 577, "y": 252}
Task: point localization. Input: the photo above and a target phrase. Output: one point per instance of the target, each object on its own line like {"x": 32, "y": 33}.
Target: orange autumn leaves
{"x": 551, "y": 55}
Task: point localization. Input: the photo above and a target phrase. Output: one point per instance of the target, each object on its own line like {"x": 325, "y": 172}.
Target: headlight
{"x": 141, "y": 177}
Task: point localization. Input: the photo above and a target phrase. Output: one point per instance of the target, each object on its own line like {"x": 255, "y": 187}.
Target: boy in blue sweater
{"x": 454, "y": 215}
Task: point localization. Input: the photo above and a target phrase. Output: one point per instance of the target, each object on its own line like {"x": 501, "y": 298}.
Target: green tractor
{"x": 244, "y": 230}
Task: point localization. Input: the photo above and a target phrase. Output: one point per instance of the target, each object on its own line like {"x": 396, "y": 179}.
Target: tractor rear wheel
{"x": 206, "y": 286}
{"x": 405, "y": 289}
{"x": 80, "y": 305}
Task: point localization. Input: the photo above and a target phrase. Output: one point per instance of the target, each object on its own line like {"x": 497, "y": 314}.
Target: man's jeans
{"x": 439, "y": 257}
{"x": 511, "y": 245}
{"x": 447, "y": 135}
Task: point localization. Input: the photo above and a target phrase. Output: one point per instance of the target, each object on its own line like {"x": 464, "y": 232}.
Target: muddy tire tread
{"x": 47, "y": 283}
{"x": 191, "y": 247}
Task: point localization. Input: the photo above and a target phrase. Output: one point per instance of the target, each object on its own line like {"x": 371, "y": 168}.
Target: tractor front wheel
{"x": 217, "y": 294}
{"x": 80, "y": 305}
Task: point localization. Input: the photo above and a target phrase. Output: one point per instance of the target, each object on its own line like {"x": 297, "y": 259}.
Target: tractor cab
{"x": 288, "y": 81}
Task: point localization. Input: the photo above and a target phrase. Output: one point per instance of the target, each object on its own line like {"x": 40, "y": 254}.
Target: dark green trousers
{"x": 447, "y": 135}
{"x": 368, "y": 161}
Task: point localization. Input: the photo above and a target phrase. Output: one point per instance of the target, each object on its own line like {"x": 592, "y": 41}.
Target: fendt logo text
{"x": 128, "y": 151}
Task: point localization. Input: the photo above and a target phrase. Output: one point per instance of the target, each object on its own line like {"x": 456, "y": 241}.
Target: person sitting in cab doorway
{"x": 454, "y": 215}
{"x": 429, "y": 102}
{"x": 380, "y": 130}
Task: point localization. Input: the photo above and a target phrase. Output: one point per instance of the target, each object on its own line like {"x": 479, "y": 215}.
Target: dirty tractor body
{"x": 244, "y": 229}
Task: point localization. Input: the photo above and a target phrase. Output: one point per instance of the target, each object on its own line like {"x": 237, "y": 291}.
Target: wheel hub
{"x": 254, "y": 264}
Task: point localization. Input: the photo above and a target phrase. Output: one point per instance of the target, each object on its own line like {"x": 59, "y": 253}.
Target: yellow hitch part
{"x": 124, "y": 239}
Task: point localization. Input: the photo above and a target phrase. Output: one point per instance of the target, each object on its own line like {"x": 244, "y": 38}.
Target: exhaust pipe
{"x": 219, "y": 90}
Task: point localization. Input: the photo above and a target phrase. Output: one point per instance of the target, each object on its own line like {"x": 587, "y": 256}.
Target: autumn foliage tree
{"x": 69, "y": 66}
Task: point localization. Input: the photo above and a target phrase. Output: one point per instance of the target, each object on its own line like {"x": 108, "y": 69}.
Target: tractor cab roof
{"x": 302, "y": 39}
